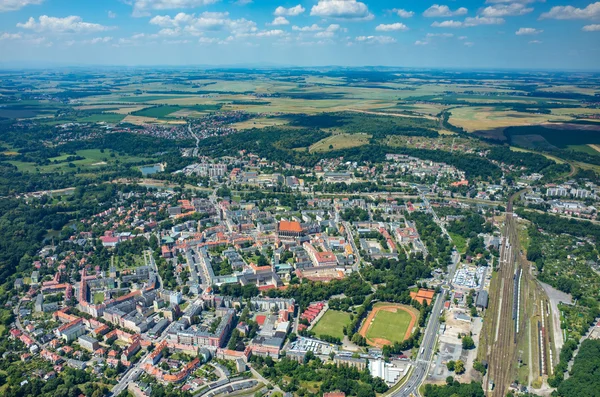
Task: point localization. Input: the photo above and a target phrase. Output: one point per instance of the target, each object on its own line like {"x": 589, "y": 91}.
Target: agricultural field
{"x": 332, "y": 323}
{"x": 260, "y": 122}
{"x": 473, "y": 119}
{"x": 157, "y": 111}
{"x": 557, "y": 135}
{"x": 141, "y": 120}
{"x": 570, "y": 89}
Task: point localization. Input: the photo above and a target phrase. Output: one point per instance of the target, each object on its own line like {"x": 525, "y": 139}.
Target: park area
{"x": 388, "y": 323}
{"x": 332, "y": 323}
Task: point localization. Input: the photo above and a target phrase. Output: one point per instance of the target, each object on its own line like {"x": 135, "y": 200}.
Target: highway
{"x": 426, "y": 350}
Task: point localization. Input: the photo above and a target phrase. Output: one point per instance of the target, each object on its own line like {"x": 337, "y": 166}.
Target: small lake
{"x": 151, "y": 169}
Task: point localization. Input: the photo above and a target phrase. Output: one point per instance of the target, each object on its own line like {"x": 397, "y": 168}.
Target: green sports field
{"x": 332, "y": 324}
{"x": 389, "y": 326}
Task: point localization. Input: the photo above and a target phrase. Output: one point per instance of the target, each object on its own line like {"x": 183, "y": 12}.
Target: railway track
{"x": 502, "y": 354}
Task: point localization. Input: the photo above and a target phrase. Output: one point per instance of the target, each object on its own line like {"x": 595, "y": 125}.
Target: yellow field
{"x": 340, "y": 141}
{"x": 487, "y": 118}
{"x": 260, "y": 122}
{"x": 570, "y": 89}
{"x": 141, "y": 120}
{"x": 575, "y": 111}
{"x": 392, "y": 114}
{"x": 428, "y": 109}
{"x": 595, "y": 147}
{"x": 128, "y": 109}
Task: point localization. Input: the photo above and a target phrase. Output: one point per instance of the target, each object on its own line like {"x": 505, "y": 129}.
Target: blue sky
{"x": 519, "y": 34}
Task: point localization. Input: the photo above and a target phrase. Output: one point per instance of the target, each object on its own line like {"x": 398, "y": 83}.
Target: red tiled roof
{"x": 290, "y": 226}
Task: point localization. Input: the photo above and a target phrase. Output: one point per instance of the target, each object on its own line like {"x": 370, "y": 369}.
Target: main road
{"x": 426, "y": 350}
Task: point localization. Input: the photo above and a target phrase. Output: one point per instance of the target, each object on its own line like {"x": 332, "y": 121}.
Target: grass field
{"x": 98, "y": 298}
{"x": 575, "y": 111}
{"x": 472, "y": 118}
{"x": 340, "y": 141}
{"x": 460, "y": 242}
{"x": 101, "y": 117}
{"x": 389, "y": 325}
{"x": 585, "y": 149}
{"x": 141, "y": 120}
{"x": 332, "y": 323}
{"x": 157, "y": 111}
{"x": 94, "y": 159}
{"x": 553, "y": 158}
{"x": 260, "y": 122}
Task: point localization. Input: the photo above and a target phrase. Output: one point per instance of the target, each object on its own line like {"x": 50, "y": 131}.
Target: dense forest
{"x": 585, "y": 374}
{"x": 394, "y": 277}
{"x": 375, "y": 125}
{"x": 307, "y": 292}
{"x": 533, "y": 162}
{"x": 452, "y": 388}
{"x": 557, "y": 225}
{"x": 291, "y": 375}
{"x": 438, "y": 246}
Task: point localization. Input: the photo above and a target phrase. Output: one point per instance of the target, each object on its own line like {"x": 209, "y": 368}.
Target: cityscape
{"x": 263, "y": 225}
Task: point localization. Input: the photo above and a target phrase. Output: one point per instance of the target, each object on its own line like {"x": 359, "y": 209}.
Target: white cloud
{"x": 214, "y": 40}
{"x": 97, "y": 40}
{"x": 207, "y": 21}
{"x": 142, "y": 8}
{"x": 10, "y": 36}
{"x": 330, "y": 31}
{"x": 342, "y": 9}
{"x": 428, "y": 38}
{"x": 476, "y": 21}
{"x": 592, "y": 11}
{"x": 513, "y": 1}
{"x": 312, "y": 28}
{"x": 289, "y": 12}
{"x": 468, "y": 22}
{"x": 535, "y": 42}
{"x": 14, "y": 5}
{"x": 445, "y": 35}
{"x": 376, "y": 39}
{"x": 168, "y": 32}
{"x": 591, "y": 28}
{"x": 447, "y": 24}
{"x": 528, "y": 31}
{"x": 278, "y": 21}
{"x": 462, "y": 37}
{"x": 180, "y": 19}
{"x": 112, "y": 15}
{"x": 505, "y": 10}
{"x": 437, "y": 10}
{"x": 392, "y": 27}
{"x": 403, "y": 13}
{"x": 268, "y": 33}
{"x": 38, "y": 41}
{"x": 469, "y": 43}
{"x": 70, "y": 24}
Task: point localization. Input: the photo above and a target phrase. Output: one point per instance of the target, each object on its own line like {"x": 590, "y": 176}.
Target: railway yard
{"x": 517, "y": 338}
